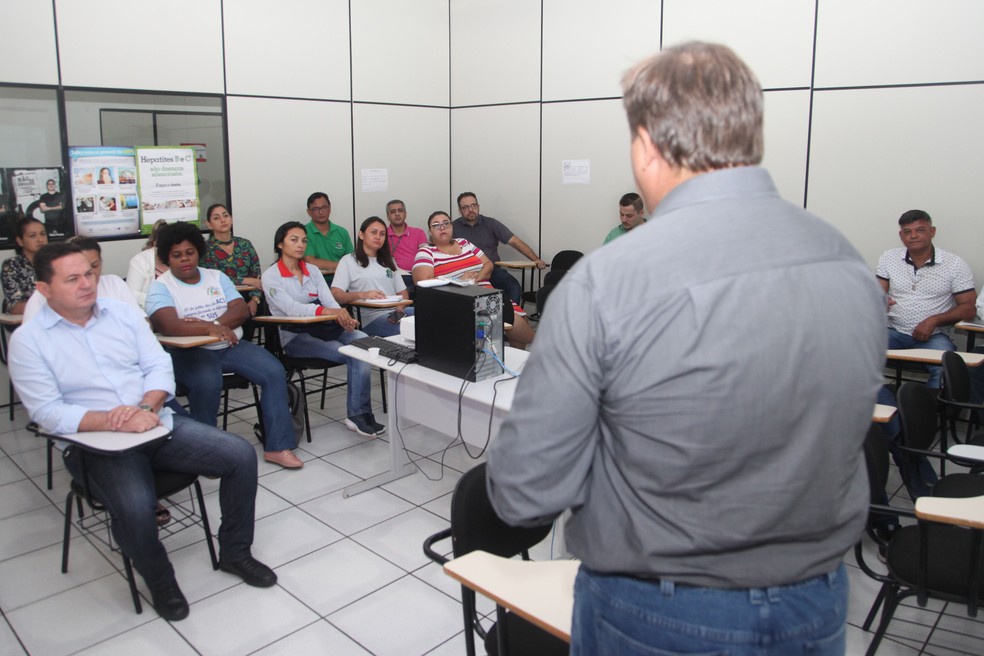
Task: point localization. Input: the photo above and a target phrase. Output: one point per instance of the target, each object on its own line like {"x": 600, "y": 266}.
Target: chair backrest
{"x": 956, "y": 379}
{"x": 564, "y": 260}
{"x": 917, "y": 415}
{"x": 474, "y": 524}
{"x": 553, "y": 277}
{"x": 271, "y": 340}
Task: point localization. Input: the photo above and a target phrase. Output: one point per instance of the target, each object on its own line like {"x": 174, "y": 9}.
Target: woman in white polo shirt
{"x": 370, "y": 273}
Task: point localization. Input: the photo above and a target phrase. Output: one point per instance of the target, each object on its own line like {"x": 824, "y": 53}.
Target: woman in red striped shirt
{"x": 446, "y": 257}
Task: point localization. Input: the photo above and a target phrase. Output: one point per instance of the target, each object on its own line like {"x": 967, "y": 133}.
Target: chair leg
{"x": 259, "y": 410}
{"x": 68, "y": 530}
{"x": 225, "y": 409}
{"x": 133, "y": 584}
{"x": 468, "y": 610}
{"x": 891, "y": 602}
{"x": 873, "y": 613}
{"x": 382, "y": 389}
{"x": 324, "y": 388}
{"x": 307, "y": 417}
{"x": 51, "y": 448}
{"x": 208, "y": 529}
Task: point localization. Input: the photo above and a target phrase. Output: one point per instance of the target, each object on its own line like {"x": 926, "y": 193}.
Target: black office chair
{"x": 918, "y": 419}
{"x": 474, "y": 526}
{"x": 561, "y": 263}
{"x": 184, "y": 514}
{"x": 924, "y": 560}
{"x": 271, "y": 340}
{"x": 954, "y": 399}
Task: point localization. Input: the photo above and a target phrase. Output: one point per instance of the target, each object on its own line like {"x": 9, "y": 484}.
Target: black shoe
{"x": 380, "y": 428}
{"x": 361, "y": 425}
{"x": 169, "y": 602}
{"x": 250, "y": 570}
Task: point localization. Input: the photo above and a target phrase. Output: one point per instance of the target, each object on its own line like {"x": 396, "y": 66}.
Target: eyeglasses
{"x": 441, "y": 225}
{"x": 472, "y": 206}
{"x": 320, "y": 209}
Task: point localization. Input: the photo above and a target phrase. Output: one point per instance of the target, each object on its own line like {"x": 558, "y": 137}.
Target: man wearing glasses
{"x": 486, "y": 233}
{"x": 327, "y": 241}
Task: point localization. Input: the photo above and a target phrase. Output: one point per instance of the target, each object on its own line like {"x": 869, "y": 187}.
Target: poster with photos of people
{"x": 167, "y": 178}
{"x": 104, "y": 191}
{"x": 38, "y": 193}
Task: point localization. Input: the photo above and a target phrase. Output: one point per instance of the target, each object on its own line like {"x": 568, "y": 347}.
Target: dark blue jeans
{"x": 200, "y": 371}
{"x": 502, "y": 279}
{"x": 632, "y": 617}
{"x": 125, "y": 484}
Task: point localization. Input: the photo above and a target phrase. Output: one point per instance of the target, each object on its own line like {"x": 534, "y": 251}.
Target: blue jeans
{"x": 936, "y": 342}
{"x": 303, "y": 345}
{"x": 383, "y": 327}
{"x": 633, "y": 617}
{"x": 502, "y": 279}
{"x": 125, "y": 484}
{"x": 200, "y": 370}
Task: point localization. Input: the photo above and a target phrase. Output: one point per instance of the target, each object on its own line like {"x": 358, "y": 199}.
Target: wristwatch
{"x": 147, "y": 407}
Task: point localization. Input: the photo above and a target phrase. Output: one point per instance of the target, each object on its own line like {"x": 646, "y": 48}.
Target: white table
{"x": 539, "y": 591}
{"x": 429, "y": 397}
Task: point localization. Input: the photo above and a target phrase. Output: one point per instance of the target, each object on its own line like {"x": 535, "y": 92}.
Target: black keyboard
{"x": 387, "y": 349}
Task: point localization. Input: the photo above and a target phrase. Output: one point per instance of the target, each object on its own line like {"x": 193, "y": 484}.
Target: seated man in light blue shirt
{"x": 94, "y": 365}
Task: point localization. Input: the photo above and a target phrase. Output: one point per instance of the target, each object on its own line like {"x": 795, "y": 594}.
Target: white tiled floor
{"x": 352, "y": 575}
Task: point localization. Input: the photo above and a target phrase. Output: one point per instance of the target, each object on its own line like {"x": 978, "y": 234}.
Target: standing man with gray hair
{"x": 714, "y": 472}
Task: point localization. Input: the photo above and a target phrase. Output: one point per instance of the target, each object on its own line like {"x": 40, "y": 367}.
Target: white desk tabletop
{"x": 516, "y": 264}
{"x": 311, "y": 319}
{"x": 883, "y": 413}
{"x": 539, "y": 591}
{"x": 930, "y": 356}
{"x": 111, "y": 441}
{"x": 186, "y": 341}
{"x": 970, "y": 326}
{"x": 968, "y": 511}
{"x": 11, "y": 319}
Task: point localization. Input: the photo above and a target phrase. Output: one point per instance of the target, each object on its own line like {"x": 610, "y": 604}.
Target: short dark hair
{"x": 281, "y": 234}
{"x": 315, "y": 196}
{"x": 86, "y": 243}
{"x": 383, "y": 255}
{"x": 466, "y": 193}
{"x": 633, "y": 199}
{"x": 914, "y": 215}
{"x": 394, "y": 202}
{"x": 700, "y": 104}
{"x": 173, "y": 234}
{"x": 21, "y": 227}
{"x": 44, "y": 260}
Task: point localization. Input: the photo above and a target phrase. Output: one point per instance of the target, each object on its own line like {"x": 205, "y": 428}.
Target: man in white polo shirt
{"x": 929, "y": 289}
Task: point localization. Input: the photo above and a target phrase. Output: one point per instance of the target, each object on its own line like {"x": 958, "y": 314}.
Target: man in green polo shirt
{"x": 327, "y": 242}
{"x": 631, "y": 214}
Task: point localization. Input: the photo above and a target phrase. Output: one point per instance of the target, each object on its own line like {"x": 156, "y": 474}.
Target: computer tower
{"x": 456, "y": 326}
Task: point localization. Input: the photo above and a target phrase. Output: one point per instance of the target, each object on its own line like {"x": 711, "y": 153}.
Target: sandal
{"x": 163, "y": 515}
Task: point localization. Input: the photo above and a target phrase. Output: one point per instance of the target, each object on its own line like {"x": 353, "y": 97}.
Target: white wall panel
{"x": 495, "y": 153}
{"x": 588, "y": 45}
{"x": 411, "y": 143}
{"x": 878, "y": 153}
{"x": 787, "y": 125}
{"x": 27, "y": 49}
{"x": 400, "y": 51}
{"x": 579, "y": 216}
{"x": 879, "y": 42}
{"x": 173, "y": 46}
{"x": 276, "y": 165}
{"x": 291, "y": 48}
{"x": 495, "y": 51}
{"x": 774, "y": 37}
